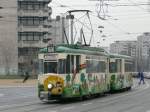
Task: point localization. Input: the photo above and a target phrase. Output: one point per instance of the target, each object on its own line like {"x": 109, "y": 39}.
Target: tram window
{"x": 41, "y": 67}
{"x": 128, "y": 67}
{"x": 118, "y": 61}
{"x": 94, "y": 66}
{"x": 77, "y": 64}
{"x": 68, "y": 64}
{"x": 61, "y": 66}
{"x": 72, "y": 64}
{"x": 50, "y": 67}
{"x": 88, "y": 66}
{"x": 101, "y": 66}
{"x": 113, "y": 67}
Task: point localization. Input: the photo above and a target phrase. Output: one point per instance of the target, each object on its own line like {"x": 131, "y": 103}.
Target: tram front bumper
{"x": 45, "y": 95}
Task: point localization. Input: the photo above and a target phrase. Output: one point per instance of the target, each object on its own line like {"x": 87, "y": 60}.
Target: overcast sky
{"x": 124, "y": 21}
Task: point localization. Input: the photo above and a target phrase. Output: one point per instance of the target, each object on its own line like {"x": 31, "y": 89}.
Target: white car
{"x": 147, "y": 75}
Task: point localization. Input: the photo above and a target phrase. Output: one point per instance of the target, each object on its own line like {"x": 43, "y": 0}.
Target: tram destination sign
{"x": 50, "y": 48}
{"x": 50, "y": 57}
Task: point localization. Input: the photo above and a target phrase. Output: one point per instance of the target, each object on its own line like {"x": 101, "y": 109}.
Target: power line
{"x": 137, "y": 5}
{"x": 124, "y": 5}
{"x": 112, "y": 5}
{"x": 115, "y": 26}
{"x": 105, "y": 4}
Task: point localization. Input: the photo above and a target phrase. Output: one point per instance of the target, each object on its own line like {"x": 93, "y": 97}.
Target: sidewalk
{"x": 17, "y": 82}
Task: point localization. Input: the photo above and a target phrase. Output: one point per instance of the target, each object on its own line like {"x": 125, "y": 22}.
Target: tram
{"x": 69, "y": 71}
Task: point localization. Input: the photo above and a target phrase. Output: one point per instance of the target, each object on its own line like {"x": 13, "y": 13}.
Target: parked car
{"x": 147, "y": 75}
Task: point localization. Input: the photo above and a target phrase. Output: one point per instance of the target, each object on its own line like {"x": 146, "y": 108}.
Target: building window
{"x": 37, "y": 36}
{"x": 31, "y": 21}
{"x": 30, "y": 36}
{"x": 31, "y": 5}
{"x": 27, "y": 51}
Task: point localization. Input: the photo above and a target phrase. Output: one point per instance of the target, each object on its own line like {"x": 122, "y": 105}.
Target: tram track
{"x": 114, "y": 100}
{"x": 28, "y": 105}
{"x": 83, "y": 106}
{"x": 99, "y": 104}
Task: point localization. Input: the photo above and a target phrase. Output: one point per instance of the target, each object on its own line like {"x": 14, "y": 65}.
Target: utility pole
{"x": 0, "y": 15}
{"x": 71, "y": 27}
{"x": 81, "y": 36}
{"x": 63, "y": 19}
{"x": 71, "y": 18}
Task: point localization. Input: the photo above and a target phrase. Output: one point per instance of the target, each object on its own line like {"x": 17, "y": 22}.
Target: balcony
{"x": 40, "y": 28}
{"x": 36, "y": 0}
{"x": 38, "y": 13}
{"x": 37, "y": 44}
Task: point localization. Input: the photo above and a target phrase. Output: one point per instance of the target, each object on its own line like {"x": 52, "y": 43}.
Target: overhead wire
{"x": 84, "y": 24}
{"x": 75, "y": 33}
{"x": 137, "y": 5}
{"x": 115, "y": 26}
{"x": 108, "y": 4}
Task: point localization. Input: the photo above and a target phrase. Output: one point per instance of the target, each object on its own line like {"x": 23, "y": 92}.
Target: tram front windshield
{"x": 50, "y": 67}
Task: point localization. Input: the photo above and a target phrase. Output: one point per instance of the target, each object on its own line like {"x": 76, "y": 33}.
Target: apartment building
{"x": 8, "y": 35}
{"x": 143, "y": 51}
{"x": 60, "y": 30}
{"x": 124, "y": 48}
{"x": 34, "y": 18}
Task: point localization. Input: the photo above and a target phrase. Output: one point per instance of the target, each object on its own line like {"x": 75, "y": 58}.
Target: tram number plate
{"x": 43, "y": 94}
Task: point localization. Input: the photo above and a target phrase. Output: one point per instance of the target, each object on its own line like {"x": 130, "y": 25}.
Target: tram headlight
{"x": 50, "y": 86}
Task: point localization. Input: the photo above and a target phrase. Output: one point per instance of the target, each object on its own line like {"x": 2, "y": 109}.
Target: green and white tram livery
{"x": 78, "y": 71}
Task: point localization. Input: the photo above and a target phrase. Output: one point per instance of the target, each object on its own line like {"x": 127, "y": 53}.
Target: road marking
{"x": 87, "y": 104}
{"x": 68, "y": 108}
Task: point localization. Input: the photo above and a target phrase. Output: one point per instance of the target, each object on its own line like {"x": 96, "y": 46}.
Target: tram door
{"x": 119, "y": 66}
{"x": 73, "y": 63}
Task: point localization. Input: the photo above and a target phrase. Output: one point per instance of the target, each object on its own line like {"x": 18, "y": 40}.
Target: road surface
{"x": 24, "y": 99}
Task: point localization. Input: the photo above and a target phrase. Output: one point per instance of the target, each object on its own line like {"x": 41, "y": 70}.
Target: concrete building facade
{"x": 59, "y": 30}
{"x": 143, "y": 51}
{"x": 34, "y": 18}
{"x": 124, "y": 48}
{"x": 8, "y": 35}
{"x": 23, "y": 26}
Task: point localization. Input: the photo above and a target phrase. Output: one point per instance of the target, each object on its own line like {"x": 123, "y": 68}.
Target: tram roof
{"x": 65, "y": 48}
{"x": 120, "y": 56}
